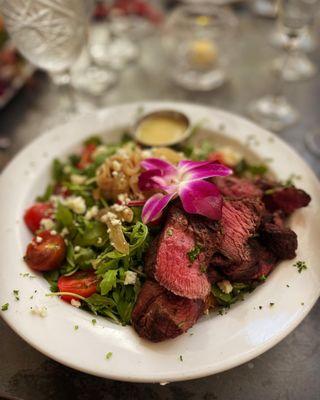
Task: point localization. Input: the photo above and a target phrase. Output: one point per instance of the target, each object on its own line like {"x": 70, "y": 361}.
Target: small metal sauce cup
{"x": 172, "y": 114}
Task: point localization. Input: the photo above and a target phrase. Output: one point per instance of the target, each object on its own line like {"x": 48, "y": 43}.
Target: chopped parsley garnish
{"x": 203, "y": 268}
{"x": 300, "y": 265}
{"x": 180, "y": 358}
{"x": 169, "y": 232}
{"x": 108, "y": 355}
{"x": 193, "y": 253}
{"x": 302, "y": 304}
{"x": 260, "y": 307}
{"x": 5, "y": 307}
{"x": 262, "y": 278}
{"x": 288, "y": 285}
{"x": 94, "y": 321}
{"x": 16, "y": 294}
{"x": 76, "y": 327}
{"x": 271, "y": 304}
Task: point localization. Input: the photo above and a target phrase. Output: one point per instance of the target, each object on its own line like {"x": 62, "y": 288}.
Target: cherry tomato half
{"x": 46, "y": 252}
{"x": 83, "y": 283}
{"x": 36, "y": 213}
{"x": 86, "y": 156}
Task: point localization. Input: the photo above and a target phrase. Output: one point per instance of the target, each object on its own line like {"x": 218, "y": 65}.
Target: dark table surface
{"x": 288, "y": 371}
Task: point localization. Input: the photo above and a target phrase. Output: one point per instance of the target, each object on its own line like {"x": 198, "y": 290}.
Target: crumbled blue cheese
{"x": 75, "y": 303}
{"x": 225, "y": 286}
{"x": 47, "y": 224}
{"x": 123, "y": 198}
{"x": 39, "y": 239}
{"x": 130, "y": 278}
{"x": 76, "y": 249}
{"x": 64, "y": 232}
{"x": 76, "y": 204}
{"x": 53, "y": 232}
{"x": 92, "y": 213}
{"x": 78, "y": 179}
{"x": 118, "y": 207}
{"x": 39, "y": 310}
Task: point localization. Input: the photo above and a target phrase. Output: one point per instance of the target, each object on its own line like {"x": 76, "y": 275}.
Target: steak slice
{"x": 183, "y": 252}
{"x": 280, "y": 240}
{"x": 286, "y": 199}
{"x": 260, "y": 262}
{"x": 233, "y": 187}
{"x": 240, "y": 220}
{"x": 159, "y": 315}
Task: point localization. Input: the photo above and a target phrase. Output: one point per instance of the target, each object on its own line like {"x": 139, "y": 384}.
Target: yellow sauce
{"x": 161, "y": 130}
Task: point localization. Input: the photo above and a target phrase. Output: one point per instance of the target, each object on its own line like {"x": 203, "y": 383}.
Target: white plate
{"x": 218, "y": 342}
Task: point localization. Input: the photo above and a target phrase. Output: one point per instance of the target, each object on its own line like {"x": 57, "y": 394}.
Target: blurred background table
{"x": 288, "y": 371}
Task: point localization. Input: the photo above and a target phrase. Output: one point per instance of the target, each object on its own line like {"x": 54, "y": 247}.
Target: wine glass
{"x": 119, "y": 28}
{"x": 52, "y": 34}
{"x": 295, "y": 19}
{"x": 274, "y": 111}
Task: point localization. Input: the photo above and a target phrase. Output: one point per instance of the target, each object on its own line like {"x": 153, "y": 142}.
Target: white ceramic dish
{"x": 218, "y": 342}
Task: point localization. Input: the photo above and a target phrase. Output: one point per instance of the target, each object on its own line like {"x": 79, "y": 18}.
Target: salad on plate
{"x": 156, "y": 237}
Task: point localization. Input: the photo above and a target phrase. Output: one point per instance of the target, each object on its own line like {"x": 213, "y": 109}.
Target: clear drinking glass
{"x": 197, "y": 38}
{"x": 307, "y": 40}
{"x": 274, "y": 111}
{"x": 116, "y": 38}
{"x": 295, "y": 19}
{"x": 51, "y": 34}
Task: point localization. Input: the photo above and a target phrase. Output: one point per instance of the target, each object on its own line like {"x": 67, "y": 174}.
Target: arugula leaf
{"x": 102, "y": 305}
{"x": 52, "y": 278}
{"x": 47, "y": 194}
{"x": 84, "y": 257}
{"x": 57, "y": 170}
{"x": 109, "y": 281}
{"x": 64, "y": 216}
{"x": 243, "y": 167}
{"x": 95, "y": 233}
{"x": 96, "y": 140}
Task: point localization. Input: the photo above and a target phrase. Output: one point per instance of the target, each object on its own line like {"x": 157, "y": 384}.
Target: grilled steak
{"x": 240, "y": 220}
{"x": 233, "y": 187}
{"x": 286, "y": 199}
{"x": 182, "y": 254}
{"x": 280, "y": 240}
{"x": 260, "y": 262}
{"x": 159, "y": 314}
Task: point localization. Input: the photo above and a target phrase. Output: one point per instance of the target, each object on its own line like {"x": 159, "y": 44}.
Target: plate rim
{"x": 179, "y": 376}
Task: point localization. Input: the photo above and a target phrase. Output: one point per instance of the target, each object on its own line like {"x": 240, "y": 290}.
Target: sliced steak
{"x": 233, "y": 187}
{"x": 159, "y": 315}
{"x": 260, "y": 262}
{"x": 240, "y": 220}
{"x": 280, "y": 240}
{"x": 286, "y": 199}
{"x": 183, "y": 252}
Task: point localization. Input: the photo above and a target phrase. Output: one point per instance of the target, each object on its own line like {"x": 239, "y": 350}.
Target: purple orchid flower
{"x": 187, "y": 181}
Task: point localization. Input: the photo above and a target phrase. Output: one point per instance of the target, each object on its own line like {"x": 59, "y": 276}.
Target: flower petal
{"x": 146, "y": 181}
{"x": 201, "y": 197}
{"x": 156, "y": 163}
{"x": 194, "y": 170}
{"x": 154, "y": 206}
